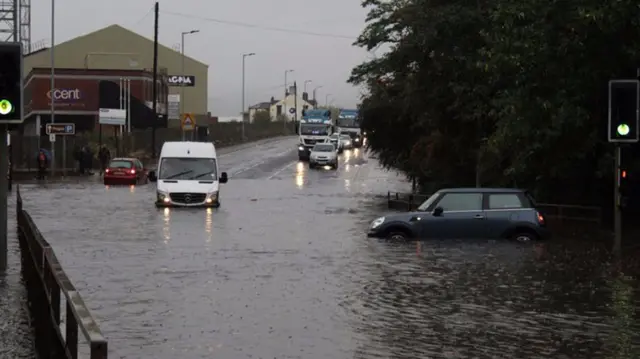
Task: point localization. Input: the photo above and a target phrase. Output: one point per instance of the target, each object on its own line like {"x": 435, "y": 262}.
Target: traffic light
{"x": 623, "y": 111}
{"x": 11, "y": 85}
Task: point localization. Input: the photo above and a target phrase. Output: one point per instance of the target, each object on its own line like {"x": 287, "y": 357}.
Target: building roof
{"x": 261, "y": 106}
{"x": 119, "y": 32}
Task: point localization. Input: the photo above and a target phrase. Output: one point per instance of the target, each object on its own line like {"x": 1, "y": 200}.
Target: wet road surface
{"x": 283, "y": 270}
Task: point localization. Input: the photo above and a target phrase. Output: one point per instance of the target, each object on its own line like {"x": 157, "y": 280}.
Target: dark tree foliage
{"x": 502, "y": 93}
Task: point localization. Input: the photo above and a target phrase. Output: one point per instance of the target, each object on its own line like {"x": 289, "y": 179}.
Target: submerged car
{"x": 125, "y": 171}
{"x": 323, "y": 154}
{"x": 465, "y": 213}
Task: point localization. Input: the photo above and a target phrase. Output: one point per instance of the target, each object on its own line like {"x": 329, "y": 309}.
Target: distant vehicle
{"x": 349, "y": 123}
{"x": 323, "y": 154}
{"x": 187, "y": 175}
{"x": 462, "y": 213}
{"x": 334, "y": 139}
{"x": 125, "y": 171}
{"x": 315, "y": 126}
{"x": 345, "y": 141}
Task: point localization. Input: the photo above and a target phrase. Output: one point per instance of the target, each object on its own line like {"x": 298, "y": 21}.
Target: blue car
{"x": 467, "y": 213}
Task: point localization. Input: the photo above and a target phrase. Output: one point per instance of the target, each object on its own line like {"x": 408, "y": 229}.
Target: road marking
{"x": 281, "y": 170}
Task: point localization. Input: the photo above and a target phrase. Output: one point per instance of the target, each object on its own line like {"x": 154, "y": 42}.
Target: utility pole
{"x": 295, "y": 103}
{"x": 154, "y": 92}
{"x": 286, "y": 94}
{"x": 244, "y": 56}
{"x": 53, "y": 83}
{"x": 314, "y": 94}
{"x": 305, "y": 84}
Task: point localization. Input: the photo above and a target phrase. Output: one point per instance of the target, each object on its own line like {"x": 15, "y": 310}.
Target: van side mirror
{"x": 437, "y": 212}
{"x": 152, "y": 176}
{"x": 224, "y": 178}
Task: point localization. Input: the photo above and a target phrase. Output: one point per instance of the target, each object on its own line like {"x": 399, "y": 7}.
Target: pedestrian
{"x": 77, "y": 155}
{"x": 88, "y": 160}
{"x": 43, "y": 162}
{"x": 104, "y": 156}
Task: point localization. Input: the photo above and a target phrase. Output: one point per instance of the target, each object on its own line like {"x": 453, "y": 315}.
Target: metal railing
{"x": 558, "y": 213}
{"x": 47, "y": 284}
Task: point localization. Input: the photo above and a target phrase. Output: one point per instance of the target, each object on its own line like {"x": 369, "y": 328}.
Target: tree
{"x": 508, "y": 92}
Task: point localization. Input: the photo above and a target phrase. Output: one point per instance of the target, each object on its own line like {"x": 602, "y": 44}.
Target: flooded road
{"x": 283, "y": 270}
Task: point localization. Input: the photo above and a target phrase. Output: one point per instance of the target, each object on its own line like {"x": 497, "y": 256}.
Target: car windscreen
{"x": 175, "y": 168}
{"x": 426, "y": 204}
{"x": 120, "y": 164}
{"x": 345, "y": 137}
{"x": 323, "y": 148}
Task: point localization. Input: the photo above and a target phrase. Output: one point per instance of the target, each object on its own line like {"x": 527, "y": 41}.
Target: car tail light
{"x": 106, "y": 171}
{"x": 540, "y": 218}
{"x": 133, "y": 172}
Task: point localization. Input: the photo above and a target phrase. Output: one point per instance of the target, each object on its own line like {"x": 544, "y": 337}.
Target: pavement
{"x": 283, "y": 270}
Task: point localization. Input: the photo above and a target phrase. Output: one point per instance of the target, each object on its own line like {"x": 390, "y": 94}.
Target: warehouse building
{"x": 106, "y": 56}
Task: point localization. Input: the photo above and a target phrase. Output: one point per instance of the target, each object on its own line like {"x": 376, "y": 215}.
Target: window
{"x": 461, "y": 202}
{"x": 504, "y": 201}
{"x": 188, "y": 169}
{"x": 278, "y": 110}
{"x": 120, "y": 164}
{"x": 323, "y": 148}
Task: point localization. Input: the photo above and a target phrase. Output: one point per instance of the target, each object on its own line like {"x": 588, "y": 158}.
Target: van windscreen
{"x": 174, "y": 168}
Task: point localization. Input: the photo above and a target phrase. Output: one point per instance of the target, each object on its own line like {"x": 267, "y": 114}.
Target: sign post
{"x": 624, "y": 103}
{"x": 188, "y": 124}
{"x": 64, "y": 130}
{"x": 11, "y": 113}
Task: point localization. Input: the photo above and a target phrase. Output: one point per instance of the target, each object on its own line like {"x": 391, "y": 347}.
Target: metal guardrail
{"x": 46, "y": 284}
{"x": 559, "y": 213}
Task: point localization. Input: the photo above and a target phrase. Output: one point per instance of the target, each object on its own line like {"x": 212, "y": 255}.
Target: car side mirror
{"x": 152, "y": 176}
{"x": 224, "y": 178}
{"x": 437, "y": 212}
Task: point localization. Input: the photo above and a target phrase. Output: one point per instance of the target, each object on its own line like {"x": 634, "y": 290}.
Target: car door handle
{"x": 478, "y": 216}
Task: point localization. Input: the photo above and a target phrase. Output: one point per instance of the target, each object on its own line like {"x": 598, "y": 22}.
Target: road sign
{"x": 624, "y": 124}
{"x": 188, "y": 122}
{"x": 52, "y": 138}
{"x": 292, "y": 110}
{"x": 61, "y": 128}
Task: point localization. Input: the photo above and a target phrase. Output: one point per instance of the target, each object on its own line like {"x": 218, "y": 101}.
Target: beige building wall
{"x": 115, "y": 47}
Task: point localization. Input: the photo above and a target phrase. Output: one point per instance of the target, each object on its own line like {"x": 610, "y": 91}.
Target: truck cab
{"x": 315, "y": 127}
{"x": 348, "y": 123}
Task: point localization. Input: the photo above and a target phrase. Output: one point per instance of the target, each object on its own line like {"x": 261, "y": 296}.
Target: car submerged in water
{"x": 467, "y": 213}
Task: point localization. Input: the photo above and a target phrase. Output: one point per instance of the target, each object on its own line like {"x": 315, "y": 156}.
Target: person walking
{"x": 104, "y": 156}
{"x": 43, "y": 162}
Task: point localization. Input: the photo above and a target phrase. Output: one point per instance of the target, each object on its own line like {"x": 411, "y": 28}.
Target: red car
{"x": 125, "y": 171}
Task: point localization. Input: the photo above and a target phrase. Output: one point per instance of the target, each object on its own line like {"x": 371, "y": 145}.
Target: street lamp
{"x": 244, "y": 56}
{"x": 182, "y": 51}
{"x": 326, "y": 100}
{"x": 314, "y": 92}
{"x": 305, "y": 84}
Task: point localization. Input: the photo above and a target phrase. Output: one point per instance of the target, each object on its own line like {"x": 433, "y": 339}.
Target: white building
{"x": 279, "y": 108}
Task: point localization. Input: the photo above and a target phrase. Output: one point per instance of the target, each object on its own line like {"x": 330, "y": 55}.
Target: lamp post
{"x": 305, "y": 84}
{"x": 326, "y": 100}
{"x": 182, "y": 51}
{"x": 286, "y": 92}
{"x": 244, "y": 56}
{"x": 314, "y": 93}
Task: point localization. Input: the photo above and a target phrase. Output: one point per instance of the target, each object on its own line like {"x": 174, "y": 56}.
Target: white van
{"x": 187, "y": 175}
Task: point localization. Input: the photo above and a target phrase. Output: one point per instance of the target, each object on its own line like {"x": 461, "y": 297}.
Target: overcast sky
{"x": 326, "y": 60}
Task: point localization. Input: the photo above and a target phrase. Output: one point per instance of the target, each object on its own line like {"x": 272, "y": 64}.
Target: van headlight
{"x": 377, "y": 222}
{"x": 300, "y": 148}
{"x": 212, "y": 197}
{"x": 163, "y": 197}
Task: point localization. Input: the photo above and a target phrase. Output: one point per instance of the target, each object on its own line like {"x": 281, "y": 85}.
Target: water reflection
{"x": 132, "y": 189}
{"x": 347, "y": 185}
{"x": 208, "y": 224}
{"x": 166, "y": 228}
{"x": 347, "y": 155}
{"x": 300, "y": 175}
{"x": 347, "y": 167}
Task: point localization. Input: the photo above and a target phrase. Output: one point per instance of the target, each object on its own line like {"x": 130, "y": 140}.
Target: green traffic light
{"x": 623, "y": 129}
{"x": 5, "y": 107}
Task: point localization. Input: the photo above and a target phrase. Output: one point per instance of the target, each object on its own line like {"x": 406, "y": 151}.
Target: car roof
{"x": 188, "y": 149}
{"x": 481, "y": 190}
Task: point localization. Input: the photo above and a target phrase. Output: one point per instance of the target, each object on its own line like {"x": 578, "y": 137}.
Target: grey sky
{"x": 325, "y": 60}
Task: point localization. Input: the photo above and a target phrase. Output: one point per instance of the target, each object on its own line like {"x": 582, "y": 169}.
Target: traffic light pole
{"x": 4, "y": 187}
{"x": 617, "y": 208}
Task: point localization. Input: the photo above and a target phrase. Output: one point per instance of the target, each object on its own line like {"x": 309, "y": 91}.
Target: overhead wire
{"x": 261, "y": 27}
